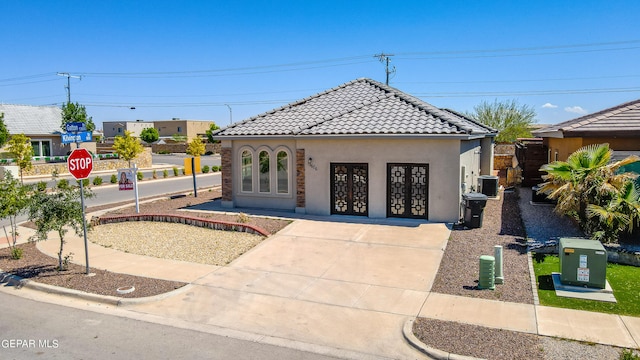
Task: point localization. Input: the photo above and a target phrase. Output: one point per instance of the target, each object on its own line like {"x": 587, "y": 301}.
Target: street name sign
{"x": 73, "y": 127}
{"x": 68, "y": 138}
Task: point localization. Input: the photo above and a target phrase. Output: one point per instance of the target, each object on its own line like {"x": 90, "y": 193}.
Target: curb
{"x": 407, "y": 332}
{"x": 18, "y": 283}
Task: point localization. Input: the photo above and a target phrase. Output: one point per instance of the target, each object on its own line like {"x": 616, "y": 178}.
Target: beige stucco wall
{"x": 188, "y": 128}
{"x": 445, "y": 158}
{"x": 470, "y": 155}
{"x": 441, "y": 155}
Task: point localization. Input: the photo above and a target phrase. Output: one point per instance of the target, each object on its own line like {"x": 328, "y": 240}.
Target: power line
{"x": 519, "y": 80}
{"x": 551, "y": 47}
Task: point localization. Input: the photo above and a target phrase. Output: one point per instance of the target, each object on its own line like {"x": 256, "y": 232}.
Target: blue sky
{"x": 199, "y": 59}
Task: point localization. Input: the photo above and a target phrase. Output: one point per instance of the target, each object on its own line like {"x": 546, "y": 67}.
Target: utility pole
{"x": 230, "y": 114}
{"x": 386, "y": 58}
{"x": 68, "y": 87}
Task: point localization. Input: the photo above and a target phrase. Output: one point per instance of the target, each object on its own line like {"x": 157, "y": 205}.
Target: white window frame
{"x": 289, "y": 166}
{"x": 273, "y": 171}
{"x": 241, "y": 172}
{"x": 40, "y": 142}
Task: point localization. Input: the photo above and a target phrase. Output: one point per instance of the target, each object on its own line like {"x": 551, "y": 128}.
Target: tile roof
{"x": 359, "y": 107}
{"x": 32, "y": 120}
{"x": 620, "y": 120}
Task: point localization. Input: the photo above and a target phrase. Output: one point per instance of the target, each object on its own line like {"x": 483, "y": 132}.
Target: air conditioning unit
{"x": 488, "y": 185}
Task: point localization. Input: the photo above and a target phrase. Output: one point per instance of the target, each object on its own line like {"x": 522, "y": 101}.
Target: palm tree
{"x": 587, "y": 177}
{"x": 620, "y": 214}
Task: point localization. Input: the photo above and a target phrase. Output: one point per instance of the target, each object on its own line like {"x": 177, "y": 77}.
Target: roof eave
{"x": 357, "y": 136}
{"x": 559, "y": 134}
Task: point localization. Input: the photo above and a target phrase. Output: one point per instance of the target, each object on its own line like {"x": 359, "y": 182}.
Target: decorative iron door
{"x": 350, "y": 189}
{"x": 408, "y": 190}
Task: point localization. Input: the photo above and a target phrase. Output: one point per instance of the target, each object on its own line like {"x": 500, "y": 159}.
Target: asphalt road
{"x": 109, "y": 194}
{"x": 38, "y": 330}
{"x": 164, "y": 161}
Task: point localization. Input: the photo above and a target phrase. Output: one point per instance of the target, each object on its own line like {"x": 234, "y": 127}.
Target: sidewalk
{"x": 317, "y": 301}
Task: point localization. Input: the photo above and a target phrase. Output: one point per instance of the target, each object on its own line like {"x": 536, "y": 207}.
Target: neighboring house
{"x": 362, "y": 148}
{"x": 117, "y": 128}
{"x": 187, "y": 128}
{"x": 40, "y": 123}
{"x": 618, "y": 126}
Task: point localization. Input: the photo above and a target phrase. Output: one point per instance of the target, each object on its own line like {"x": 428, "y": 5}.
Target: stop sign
{"x": 80, "y": 163}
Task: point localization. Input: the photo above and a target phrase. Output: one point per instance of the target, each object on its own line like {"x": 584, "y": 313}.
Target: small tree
{"x": 4, "y": 132}
{"x": 20, "y": 148}
{"x": 13, "y": 202}
{"x": 212, "y": 128}
{"x": 511, "y": 119}
{"x": 195, "y": 147}
{"x": 57, "y": 211}
{"x": 149, "y": 135}
{"x": 127, "y": 146}
{"x": 74, "y": 112}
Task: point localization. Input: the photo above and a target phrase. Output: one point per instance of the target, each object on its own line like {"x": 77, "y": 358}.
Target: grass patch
{"x": 622, "y": 278}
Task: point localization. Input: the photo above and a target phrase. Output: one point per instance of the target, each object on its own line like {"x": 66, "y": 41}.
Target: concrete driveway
{"x": 339, "y": 285}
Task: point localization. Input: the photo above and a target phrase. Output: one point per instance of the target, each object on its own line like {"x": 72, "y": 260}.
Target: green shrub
{"x": 41, "y": 186}
{"x": 85, "y": 182}
{"x": 175, "y": 171}
{"x": 140, "y": 175}
{"x": 16, "y": 253}
{"x": 209, "y": 152}
{"x": 628, "y": 354}
{"x": 163, "y": 152}
{"x": 114, "y": 179}
{"x": 154, "y": 175}
{"x": 215, "y": 168}
{"x": 97, "y": 180}
{"x": 165, "y": 173}
{"x": 183, "y": 171}
{"x": 205, "y": 169}
{"x": 63, "y": 184}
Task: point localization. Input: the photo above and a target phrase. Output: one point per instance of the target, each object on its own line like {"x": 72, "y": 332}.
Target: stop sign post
{"x": 80, "y": 164}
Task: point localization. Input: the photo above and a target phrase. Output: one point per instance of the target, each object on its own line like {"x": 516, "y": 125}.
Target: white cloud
{"x": 575, "y": 109}
{"x": 549, "y": 106}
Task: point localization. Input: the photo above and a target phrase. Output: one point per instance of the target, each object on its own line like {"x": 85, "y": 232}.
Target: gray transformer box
{"x": 583, "y": 262}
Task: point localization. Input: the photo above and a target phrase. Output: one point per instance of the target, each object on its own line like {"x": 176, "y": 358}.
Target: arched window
{"x": 247, "y": 170}
{"x": 265, "y": 172}
{"x": 282, "y": 172}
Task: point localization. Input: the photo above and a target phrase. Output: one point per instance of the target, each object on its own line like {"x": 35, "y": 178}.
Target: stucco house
{"x": 117, "y": 128}
{"x": 362, "y": 148}
{"x": 40, "y": 123}
{"x": 618, "y": 126}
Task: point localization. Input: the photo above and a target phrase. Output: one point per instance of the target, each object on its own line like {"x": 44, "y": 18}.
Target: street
{"x": 108, "y": 194}
{"x": 30, "y": 329}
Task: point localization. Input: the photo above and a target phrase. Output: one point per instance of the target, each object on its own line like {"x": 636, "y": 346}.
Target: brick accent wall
{"x": 227, "y": 168}
{"x": 300, "y": 187}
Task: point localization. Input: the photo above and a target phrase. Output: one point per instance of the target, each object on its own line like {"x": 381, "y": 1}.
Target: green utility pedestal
{"x": 583, "y": 262}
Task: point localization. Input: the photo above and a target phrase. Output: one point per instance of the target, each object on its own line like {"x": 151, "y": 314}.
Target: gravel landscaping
{"x": 204, "y": 246}
{"x": 39, "y": 267}
{"x": 503, "y": 224}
